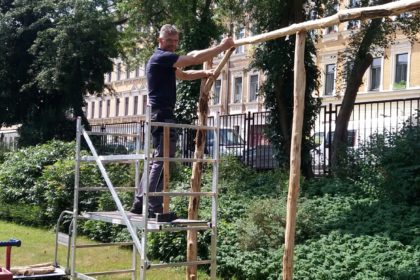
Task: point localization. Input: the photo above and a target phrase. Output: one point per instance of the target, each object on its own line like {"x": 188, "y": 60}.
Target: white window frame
{"x": 92, "y": 110}
{"x": 236, "y": 75}
{"x": 108, "y": 108}
{"x": 240, "y": 49}
{"x": 100, "y": 108}
{"x": 127, "y": 105}
{"x": 369, "y": 76}
{"x": 334, "y": 27}
{"x": 325, "y": 60}
{"x": 117, "y": 106}
{"x": 400, "y": 47}
{"x": 136, "y": 105}
{"x": 220, "y": 92}
{"x": 254, "y": 73}
{"x": 358, "y": 23}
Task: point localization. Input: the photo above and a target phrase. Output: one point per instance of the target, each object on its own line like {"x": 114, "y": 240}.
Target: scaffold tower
{"x": 138, "y": 226}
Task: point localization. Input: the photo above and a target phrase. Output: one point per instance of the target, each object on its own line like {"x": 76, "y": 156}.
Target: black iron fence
{"x": 242, "y": 135}
{"x": 368, "y": 118}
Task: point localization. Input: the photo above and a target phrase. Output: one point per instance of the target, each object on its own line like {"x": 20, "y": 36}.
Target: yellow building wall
{"x": 415, "y": 66}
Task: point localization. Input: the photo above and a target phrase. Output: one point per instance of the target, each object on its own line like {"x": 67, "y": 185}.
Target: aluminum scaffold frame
{"x": 136, "y": 223}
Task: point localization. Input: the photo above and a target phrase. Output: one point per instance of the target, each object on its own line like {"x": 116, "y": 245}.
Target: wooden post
{"x": 295, "y": 154}
{"x": 166, "y": 170}
{"x": 195, "y": 181}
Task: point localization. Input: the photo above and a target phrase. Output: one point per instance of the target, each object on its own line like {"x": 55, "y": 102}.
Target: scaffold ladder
{"x": 137, "y": 223}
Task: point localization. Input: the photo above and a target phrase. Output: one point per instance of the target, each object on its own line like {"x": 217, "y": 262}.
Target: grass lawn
{"x": 38, "y": 247}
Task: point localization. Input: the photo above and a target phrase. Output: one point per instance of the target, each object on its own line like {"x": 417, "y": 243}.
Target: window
{"x": 253, "y": 87}
{"x": 253, "y": 30}
{"x": 329, "y": 79}
{"x": 136, "y": 104}
{"x": 240, "y": 33}
{"x": 126, "y": 106}
{"x": 109, "y": 77}
{"x": 117, "y": 107}
{"x": 127, "y": 72}
{"x": 400, "y": 80}
{"x": 100, "y": 109}
{"x": 108, "y": 108}
{"x": 137, "y": 71}
{"x": 92, "y": 111}
{"x": 217, "y": 89}
{"x": 353, "y": 24}
{"x": 331, "y": 10}
{"x": 375, "y": 74}
{"x": 118, "y": 71}
{"x": 237, "y": 91}
{"x": 144, "y": 103}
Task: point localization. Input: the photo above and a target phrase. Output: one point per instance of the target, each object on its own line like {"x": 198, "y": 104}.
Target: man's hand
{"x": 208, "y": 73}
{"x": 198, "y": 57}
{"x": 227, "y": 43}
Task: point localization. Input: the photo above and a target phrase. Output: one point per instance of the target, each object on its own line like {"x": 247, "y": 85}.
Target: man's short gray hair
{"x": 168, "y": 29}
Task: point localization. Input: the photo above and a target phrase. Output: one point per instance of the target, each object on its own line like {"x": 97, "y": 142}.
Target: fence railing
{"x": 367, "y": 118}
{"x": 242, "y": 135}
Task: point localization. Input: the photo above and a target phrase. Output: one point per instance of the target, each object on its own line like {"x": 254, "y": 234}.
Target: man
{"x": 162, "y": 69}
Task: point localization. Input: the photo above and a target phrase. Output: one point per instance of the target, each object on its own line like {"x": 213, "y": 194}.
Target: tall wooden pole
{"x": 195, "y": 181}
{"x": 295, "y": 154}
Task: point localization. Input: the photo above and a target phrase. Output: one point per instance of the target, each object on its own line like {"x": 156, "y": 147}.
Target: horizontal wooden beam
{"x": 390, "y": 9}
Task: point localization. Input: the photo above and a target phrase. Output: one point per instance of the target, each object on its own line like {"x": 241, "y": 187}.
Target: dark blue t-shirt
{"x": 161, "y": 79}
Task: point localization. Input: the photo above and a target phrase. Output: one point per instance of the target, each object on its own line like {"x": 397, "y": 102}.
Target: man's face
{"x": 169, "y": 42}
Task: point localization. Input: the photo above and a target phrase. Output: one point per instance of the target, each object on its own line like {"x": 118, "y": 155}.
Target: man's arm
{"x": 198, "y": 57}
{"x": 193, "y": 74}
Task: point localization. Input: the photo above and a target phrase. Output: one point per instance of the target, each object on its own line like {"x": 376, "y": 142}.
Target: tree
{"x": 55, "y": 52}
{"x": 275, "y": 59}
{"x": 373, "y": 37}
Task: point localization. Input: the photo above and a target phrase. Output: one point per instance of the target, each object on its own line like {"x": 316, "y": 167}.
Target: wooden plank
{"x": 390, "y": 9}
{"x": 295, "y": 154}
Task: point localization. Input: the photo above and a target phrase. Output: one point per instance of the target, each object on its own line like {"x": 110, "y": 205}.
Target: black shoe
{"x": 136, "y": 210}
{"x": 165, "y": 217}
{"x": 139, "y": 211}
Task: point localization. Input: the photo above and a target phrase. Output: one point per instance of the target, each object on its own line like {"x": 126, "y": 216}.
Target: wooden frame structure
{"x": 299, "y": 29}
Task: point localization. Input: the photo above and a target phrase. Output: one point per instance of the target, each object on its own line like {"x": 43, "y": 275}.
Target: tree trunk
{"x": 341, "y": 124}
{"x": 361, "y": 64}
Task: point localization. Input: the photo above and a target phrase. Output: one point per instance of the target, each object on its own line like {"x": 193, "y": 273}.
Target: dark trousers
{"x": 156, "y": 167}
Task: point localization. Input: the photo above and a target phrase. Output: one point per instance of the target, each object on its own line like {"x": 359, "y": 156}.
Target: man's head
{"x": 168, "y": 38}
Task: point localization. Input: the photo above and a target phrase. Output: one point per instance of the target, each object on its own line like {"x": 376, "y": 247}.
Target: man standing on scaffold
{"x": 162, "y": 69}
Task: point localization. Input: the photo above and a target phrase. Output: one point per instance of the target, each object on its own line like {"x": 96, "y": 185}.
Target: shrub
{"x": 42, "y": 179}
{"x": 343, "y": 256}
{"x": 263, "y": 226}
{"x": 387, "y": 166}
{"x": 19, "y": 172}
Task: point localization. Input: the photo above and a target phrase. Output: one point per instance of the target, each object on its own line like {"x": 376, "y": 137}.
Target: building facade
{"x": 391, "y": 76}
